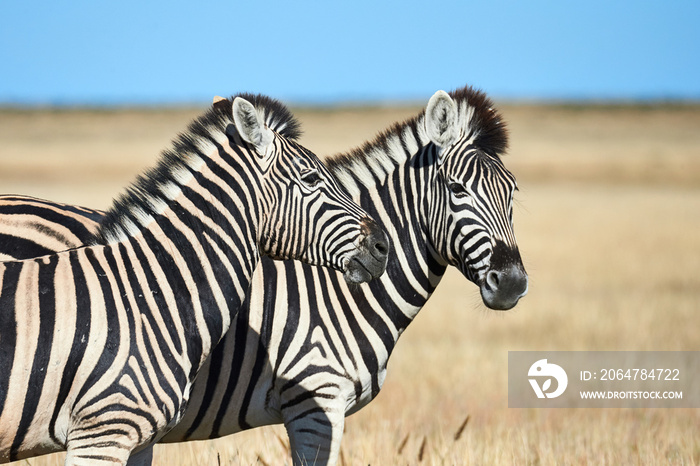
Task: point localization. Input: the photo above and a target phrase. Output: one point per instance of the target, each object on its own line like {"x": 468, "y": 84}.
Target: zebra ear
{"x": 441, "y": 119}
{"x": 220, "y": 103}
{"x": 251, "y": 126}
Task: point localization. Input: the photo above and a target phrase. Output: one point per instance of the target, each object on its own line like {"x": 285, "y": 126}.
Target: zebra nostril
{"x": 502, "y": 289}
{"x": 382, "y": 248}
{"x": 375, "y": 240}
{"x": 493, "y": 279}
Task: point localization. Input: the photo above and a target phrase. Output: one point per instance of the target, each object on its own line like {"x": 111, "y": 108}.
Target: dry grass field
{"x": 608, "y": 222}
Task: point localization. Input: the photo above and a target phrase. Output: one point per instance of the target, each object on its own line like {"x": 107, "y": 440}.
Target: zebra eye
{"x": 457, "y": 189}
{"x": 311, "y": 178}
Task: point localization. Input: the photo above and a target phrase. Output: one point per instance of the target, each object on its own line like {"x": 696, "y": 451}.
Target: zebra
{"x": 100, "y": 345}
{"x": 306, "y": 349}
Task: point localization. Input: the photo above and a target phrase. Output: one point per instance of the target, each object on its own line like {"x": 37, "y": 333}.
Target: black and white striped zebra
{"x": 99, "y": 345}
{"x": 308, "y": 349}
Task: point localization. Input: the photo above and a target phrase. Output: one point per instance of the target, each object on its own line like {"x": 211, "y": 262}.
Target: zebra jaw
{"x": 359, "y": 271}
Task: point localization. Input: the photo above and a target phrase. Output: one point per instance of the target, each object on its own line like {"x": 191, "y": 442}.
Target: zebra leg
{"x": 315, "y": 435}
{"x": 109, "y": 452}
{"x": 104, "y": 444}
{"x": 98, "y": 452}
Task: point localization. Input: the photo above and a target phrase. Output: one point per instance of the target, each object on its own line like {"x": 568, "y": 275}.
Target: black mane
{"x": 485, "y": 122}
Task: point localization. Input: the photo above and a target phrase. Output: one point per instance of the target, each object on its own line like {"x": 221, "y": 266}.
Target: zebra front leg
{"x": 314, "y": 435}
{"x": 113, "y": 451}
{"x": 111, "y": 438}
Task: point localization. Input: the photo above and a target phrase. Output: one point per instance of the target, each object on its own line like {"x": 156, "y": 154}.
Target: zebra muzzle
{"x": 368, "y": 261}
{"x": 503, "y": 288}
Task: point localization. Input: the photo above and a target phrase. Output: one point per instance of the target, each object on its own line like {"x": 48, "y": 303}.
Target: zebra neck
{"x": 204, "y": 245}
{"x": 397, "y": 198}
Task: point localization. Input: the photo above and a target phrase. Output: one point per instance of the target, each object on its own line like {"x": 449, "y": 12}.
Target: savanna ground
{"x": 608, "y": 222}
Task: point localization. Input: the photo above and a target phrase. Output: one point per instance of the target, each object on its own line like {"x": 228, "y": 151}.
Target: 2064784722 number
{"x": 640, "y": 374}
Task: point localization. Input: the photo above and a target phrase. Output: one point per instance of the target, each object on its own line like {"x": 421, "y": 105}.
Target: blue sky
{"x": 87, "y": 52}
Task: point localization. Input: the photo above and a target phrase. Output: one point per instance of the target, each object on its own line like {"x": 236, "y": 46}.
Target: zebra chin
{"x": 368, "y": 261}
{"x": 358, "y": 271}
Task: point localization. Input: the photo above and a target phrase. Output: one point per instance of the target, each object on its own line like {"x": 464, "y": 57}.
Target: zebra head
{"x": 472, "y": 198}
{"x": 305, "y": 215}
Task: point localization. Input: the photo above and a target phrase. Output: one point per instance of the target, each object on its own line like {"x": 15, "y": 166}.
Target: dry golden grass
{"x": 608, "y": 222}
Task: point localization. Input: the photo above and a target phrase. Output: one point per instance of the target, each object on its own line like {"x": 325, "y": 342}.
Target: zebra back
{"x": 31, "y": 227}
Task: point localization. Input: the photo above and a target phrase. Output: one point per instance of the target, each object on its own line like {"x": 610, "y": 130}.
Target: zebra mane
{"x": 151, "y": 191}
{"x": 477, "y": 117}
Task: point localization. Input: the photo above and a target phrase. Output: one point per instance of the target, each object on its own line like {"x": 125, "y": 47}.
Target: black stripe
{"x": 91, "y": 435}
{"x": 305, "y": 394}
{"x": 308, "y": 412}
{"x": 21, "y": 248}
{"x": 47, "y": 320}
{"x": 293, "y": 303}
{"x": 111, "y": 459}
{"x": 8, "y": 327}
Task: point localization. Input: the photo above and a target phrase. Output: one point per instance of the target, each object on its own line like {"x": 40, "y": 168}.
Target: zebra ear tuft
{"x": 251, "y": 126}
{"x": 441, "y": 119}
